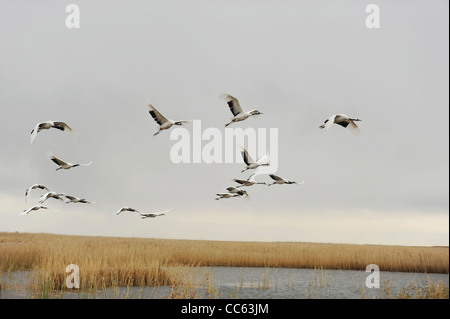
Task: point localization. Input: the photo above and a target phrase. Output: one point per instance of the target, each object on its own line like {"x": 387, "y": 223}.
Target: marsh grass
{"x": 290, "y": 283}
{"x": 264, "y": 279}
{"x": 387, "y": 289}
{"x": 428, "y": 290}
{"x": 320, "y": 278}
{"x": 431, "y": 290}
{"x": 108, "y": 262}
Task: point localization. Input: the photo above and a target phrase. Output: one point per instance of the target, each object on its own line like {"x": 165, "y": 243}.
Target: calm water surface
{"x": 253, "y": 283}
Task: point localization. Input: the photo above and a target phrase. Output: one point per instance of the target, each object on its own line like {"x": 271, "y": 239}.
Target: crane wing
{"x": 263, "y": 159}
{"x": 62, "y": 126}
{"x": 275, "y": 177}
{"x": 26, "y": 211}
{"x": 34, "y": 133}
{"x": 126, "y": 209}
{"x": 247, "y": 158}
{"x": 42, "y": 187}
{"x": 43, "y": 198}
{"x": 57, "y": 161}
{"x": 148, "y": 215}
{"x": 233, "y": 104}
{"x": 328, "y": 122}
{"x": 158, "y": 117}
{"x": 353, "y": 127}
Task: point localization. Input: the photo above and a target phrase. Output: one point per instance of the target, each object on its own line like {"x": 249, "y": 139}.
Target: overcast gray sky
{"x": 298, "y": 62}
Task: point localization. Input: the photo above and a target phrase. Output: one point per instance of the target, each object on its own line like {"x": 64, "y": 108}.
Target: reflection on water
{"x": 253, "y": 283}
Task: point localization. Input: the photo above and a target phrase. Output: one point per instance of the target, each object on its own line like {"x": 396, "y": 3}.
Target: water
{"x": 294, "y": 283}
{"x": 252, "y": 283}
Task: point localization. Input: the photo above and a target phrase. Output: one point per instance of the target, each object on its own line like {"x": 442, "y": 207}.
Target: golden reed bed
{"x": 108, "y": 261}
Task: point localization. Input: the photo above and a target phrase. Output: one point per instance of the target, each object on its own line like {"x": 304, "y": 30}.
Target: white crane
{"x": 150, "y": 215}
{"x": 31, "y": 209}
{"x": 234, "y": 190}
{"x": 153, "y": 215}
{"x": 251, "y": 164}
{"x": 342, "y": 120}
{"x": 73, "y": 199}
{"x": 48, "y": 125}
{"x": 280, "y": 180}
{"x": 48, "y": 195}
{"x": 65, "y": 165}
{"x": 248, "y": 182}
{"x": 34, "y": 186}
{"x": 236, "y": 109}
{"x": 126, "y": 209}
{"x": 164, "y": 123}
{"x": 226, "y": 195}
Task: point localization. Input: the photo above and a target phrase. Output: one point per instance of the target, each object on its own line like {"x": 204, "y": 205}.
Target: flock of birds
{"x": 250, "y": 181}
{"x": 240, "y": 115}
{"x": 164, "y": 124}
{"x": 62, "y": 126}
